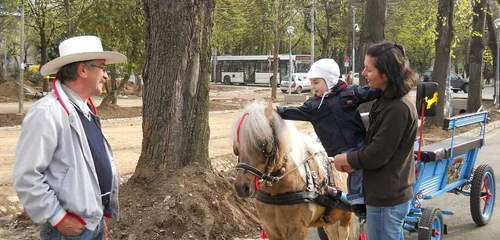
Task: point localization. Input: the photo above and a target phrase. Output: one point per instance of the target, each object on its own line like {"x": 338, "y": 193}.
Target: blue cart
{"x": 449, "y": 167}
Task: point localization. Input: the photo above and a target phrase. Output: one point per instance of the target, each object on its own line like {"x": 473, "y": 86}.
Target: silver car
{"x": 300, "y": 83}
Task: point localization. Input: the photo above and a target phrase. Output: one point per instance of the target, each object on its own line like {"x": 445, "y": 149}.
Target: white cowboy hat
{"x": 78, "y": 49}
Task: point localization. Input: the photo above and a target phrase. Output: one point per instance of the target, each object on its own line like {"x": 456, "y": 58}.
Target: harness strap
{"x": 289, "y": 198}
{"x": 303, "y": 196}
{"x": 239, "y": 126}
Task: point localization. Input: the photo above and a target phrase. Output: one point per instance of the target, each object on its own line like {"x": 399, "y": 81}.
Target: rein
{"x": 265, "y": 177}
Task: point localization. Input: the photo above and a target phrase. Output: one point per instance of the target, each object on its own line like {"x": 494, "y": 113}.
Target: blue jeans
{"x": 386, "y": 222}
{"x": 355, "y": 187}
{"x": 48, "y": 232}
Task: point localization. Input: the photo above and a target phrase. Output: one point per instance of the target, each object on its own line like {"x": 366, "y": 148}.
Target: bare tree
{"x": 474, "y": 99}
{"x": 176, "y": 84}
{"x": 282, "y": 12}
{"x": 74, "y": 16}
{"x": 444, "y": 29}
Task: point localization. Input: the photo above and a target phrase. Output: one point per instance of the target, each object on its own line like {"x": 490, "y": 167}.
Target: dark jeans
{"x": 48, "y": 232}
{"x": 355, "y": 182}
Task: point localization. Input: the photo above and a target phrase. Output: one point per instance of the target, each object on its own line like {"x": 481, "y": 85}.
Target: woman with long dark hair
{"x": 387, "y": 158}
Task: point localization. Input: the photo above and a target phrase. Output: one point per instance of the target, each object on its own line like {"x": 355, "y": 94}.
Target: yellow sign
{"x": 34, "y": 68}
{"x": 431, "y": 101}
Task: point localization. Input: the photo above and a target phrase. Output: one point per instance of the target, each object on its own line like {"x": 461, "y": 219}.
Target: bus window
{"x": 302, "y": 66}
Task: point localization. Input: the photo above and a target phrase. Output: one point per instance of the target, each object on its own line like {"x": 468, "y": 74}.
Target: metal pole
{"x": 312, "y": 31}
{"x": 353, "y": 40}
{"x": 214, "y": 65}
{"x": 290, "y": 64}
{"x": 497, "y": 75}
{"x": 448, "y": 88}
{"x": 21, "y": 67}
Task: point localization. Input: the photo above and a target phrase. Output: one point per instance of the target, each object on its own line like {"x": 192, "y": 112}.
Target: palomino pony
{"x": 287, "y": 173}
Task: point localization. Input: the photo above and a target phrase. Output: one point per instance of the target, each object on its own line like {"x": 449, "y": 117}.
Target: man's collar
{"x": 77, "y": 100}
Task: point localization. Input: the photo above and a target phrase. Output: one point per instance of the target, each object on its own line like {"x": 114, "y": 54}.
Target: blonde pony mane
{"x": 252, "y": 126}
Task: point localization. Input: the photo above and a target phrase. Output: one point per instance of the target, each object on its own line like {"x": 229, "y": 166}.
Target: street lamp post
{"x": 312, "y": 31}
{"x": 497, "y": 74}
{"x": 290, "y": 29}
{"x": 21, "y": 67}
{"x": 355, "y": 29}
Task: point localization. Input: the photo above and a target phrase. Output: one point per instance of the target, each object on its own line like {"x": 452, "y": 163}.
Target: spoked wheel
{"x": 482, "y": 195}
{"x": 430, "y": 225}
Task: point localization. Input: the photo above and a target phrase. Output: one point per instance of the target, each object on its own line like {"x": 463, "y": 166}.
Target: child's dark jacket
{"x": 337, "y": 121}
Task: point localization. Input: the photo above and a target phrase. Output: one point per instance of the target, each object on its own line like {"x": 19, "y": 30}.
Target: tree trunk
{"x": 1, "y": 70}
{"x": 69, "y": 25}
{"x": 492, "y": 42}
{"x": 373, "y": 31}
{"x": 474, "y": 99}
{"x": 44, "y": 56}
{"x": 275, "y": 65}
{"x": 176, "y": 85}
{"x": 444, "y": 29}
{"x": 113, "y": 95}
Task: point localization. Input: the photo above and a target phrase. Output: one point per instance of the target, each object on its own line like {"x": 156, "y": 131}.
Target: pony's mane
{"x": 252, "y": 126}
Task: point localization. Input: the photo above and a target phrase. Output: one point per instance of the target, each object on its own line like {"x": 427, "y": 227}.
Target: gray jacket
{"x": 54, "y": 171}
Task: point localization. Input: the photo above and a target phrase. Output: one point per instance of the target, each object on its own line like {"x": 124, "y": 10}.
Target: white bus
{"x": 255, "y": 69}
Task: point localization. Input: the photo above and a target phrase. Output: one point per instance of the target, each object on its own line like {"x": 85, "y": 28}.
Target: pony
{"x": 288, "y": 175}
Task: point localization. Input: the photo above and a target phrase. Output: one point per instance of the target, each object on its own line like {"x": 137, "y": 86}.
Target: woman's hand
{"x": 341, "y": 164}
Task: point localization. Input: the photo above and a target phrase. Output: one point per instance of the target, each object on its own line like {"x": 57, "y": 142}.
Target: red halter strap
{"x": 239, "y": 126}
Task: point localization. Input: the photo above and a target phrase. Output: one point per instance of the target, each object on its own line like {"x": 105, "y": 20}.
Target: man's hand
{"x": 70, "y": 226}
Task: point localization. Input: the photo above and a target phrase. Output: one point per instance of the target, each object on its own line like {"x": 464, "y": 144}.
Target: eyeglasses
{"x": 98, "y": 66}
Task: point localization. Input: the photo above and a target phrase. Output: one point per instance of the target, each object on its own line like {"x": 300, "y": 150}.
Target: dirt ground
{"x": 186, "y": 204}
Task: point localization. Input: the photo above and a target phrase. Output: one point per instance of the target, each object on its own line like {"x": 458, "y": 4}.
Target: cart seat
{"x": 440, "y": 150}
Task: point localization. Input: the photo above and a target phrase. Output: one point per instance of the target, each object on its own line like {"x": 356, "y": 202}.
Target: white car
{"x": 355, "y": 79}
{"x": 300, "y": 83}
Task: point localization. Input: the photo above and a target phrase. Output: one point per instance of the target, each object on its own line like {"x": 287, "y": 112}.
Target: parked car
{"x": 300, "y": 83}
{"x": 355, "y": 79}
{"x": 457, "y": 82}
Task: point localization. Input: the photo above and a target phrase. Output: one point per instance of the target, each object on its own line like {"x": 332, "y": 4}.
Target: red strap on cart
{"x": 420, "y": 137}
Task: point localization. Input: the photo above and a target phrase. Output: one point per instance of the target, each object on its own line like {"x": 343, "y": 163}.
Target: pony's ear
{"x": 269, "y": 110}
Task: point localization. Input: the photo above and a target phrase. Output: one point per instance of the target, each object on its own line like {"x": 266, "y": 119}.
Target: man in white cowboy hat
{"x": 64, "y": 173}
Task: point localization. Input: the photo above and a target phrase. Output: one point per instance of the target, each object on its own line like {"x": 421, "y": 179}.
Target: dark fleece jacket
{"x": 387, "y": 159}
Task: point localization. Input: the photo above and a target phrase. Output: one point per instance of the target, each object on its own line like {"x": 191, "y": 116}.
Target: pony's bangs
{"x": 248, "y": 133}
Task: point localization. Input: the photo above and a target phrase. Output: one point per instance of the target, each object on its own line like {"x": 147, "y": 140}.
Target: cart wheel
{"x": 430, "y": 225}
{"x": 482, "y": 195}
